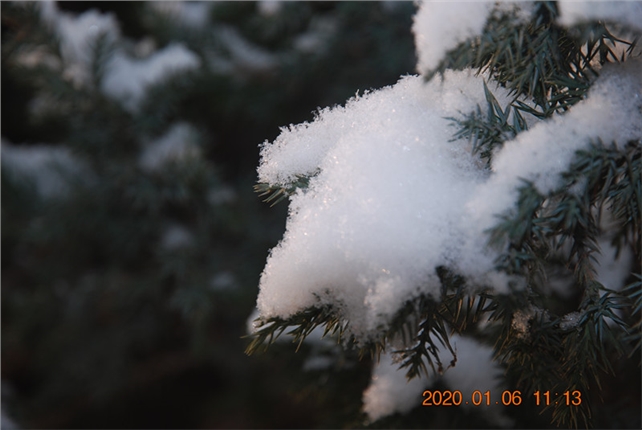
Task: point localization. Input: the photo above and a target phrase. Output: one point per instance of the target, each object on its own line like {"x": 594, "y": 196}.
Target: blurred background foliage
{"x": 126, "y": 283}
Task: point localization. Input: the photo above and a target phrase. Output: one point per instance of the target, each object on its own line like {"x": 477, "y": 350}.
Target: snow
{"x": 390, "y": 391}
{"x": 194, "y": 14}
{"x": 612, "y": 111}
{"x": 476, "y": 370}
{"x": 441, "y": 26}
{"x": 385, "y": 205}
{"x": 5, "y": 421}
{"x": 269, "y": 8}
{"x": 251, "y": 325}
{"x": 176, "y": 145}
{"x": 48, "y": 167}
{"x": 127, "y": 79}
{"x": 245, "y": 55}
{"x": 570, "y": 321}
{"x": 628, "y": 13}
{"x": 612, "y": 270}
{"x": 316, "y": 38}
{"x": 78, "y": 36}
{"x": 144, "y": 47}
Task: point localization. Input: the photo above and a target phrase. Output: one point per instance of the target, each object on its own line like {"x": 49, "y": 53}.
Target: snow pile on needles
{"x": 385, "y": 203}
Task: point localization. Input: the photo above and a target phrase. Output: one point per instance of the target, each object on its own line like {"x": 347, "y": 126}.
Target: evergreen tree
{"x": 532, "y": 238}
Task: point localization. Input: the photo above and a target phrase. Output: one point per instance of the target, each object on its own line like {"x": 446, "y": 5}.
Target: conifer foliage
{"x": 531, "y": 245}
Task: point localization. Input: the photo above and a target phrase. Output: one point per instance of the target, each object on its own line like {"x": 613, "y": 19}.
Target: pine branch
{"x": 421, "y": 322}
{"x": 589, "y": 349}
{"x": 490, "y": 132}
{"x": 539, "y": 60}
{"x": 276, "y": 194}
{"x": 522, "y": 234}
{"x": 529, "y": 344}
{"x": 612, "y": 177}
{"x": 300, "y": 325}
{"x": 531, "y": 230}
{"x": 425, "y": 323}
{"x": 540, "y": 224}
{"x": 432, "y": 329}
{"x": 633, "y": 293}
{"x": 461, "y": 306}
{"x": 102, "y": 49}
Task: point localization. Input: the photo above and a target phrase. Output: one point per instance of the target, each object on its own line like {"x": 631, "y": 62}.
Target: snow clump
{"x": 384, "y": 206}
{"x": 440, "y": 26}
{"x": 390, "y": 391}
{"x": 574, "y": 12}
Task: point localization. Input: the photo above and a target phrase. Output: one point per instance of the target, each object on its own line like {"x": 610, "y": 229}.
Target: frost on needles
{"x": 480, "y": 186}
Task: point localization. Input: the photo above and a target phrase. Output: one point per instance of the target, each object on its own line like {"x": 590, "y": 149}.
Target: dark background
{"x": 102, "y": 327}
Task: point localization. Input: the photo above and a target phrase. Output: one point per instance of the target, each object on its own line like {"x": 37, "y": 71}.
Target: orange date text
{"x": 477, "y": 398}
